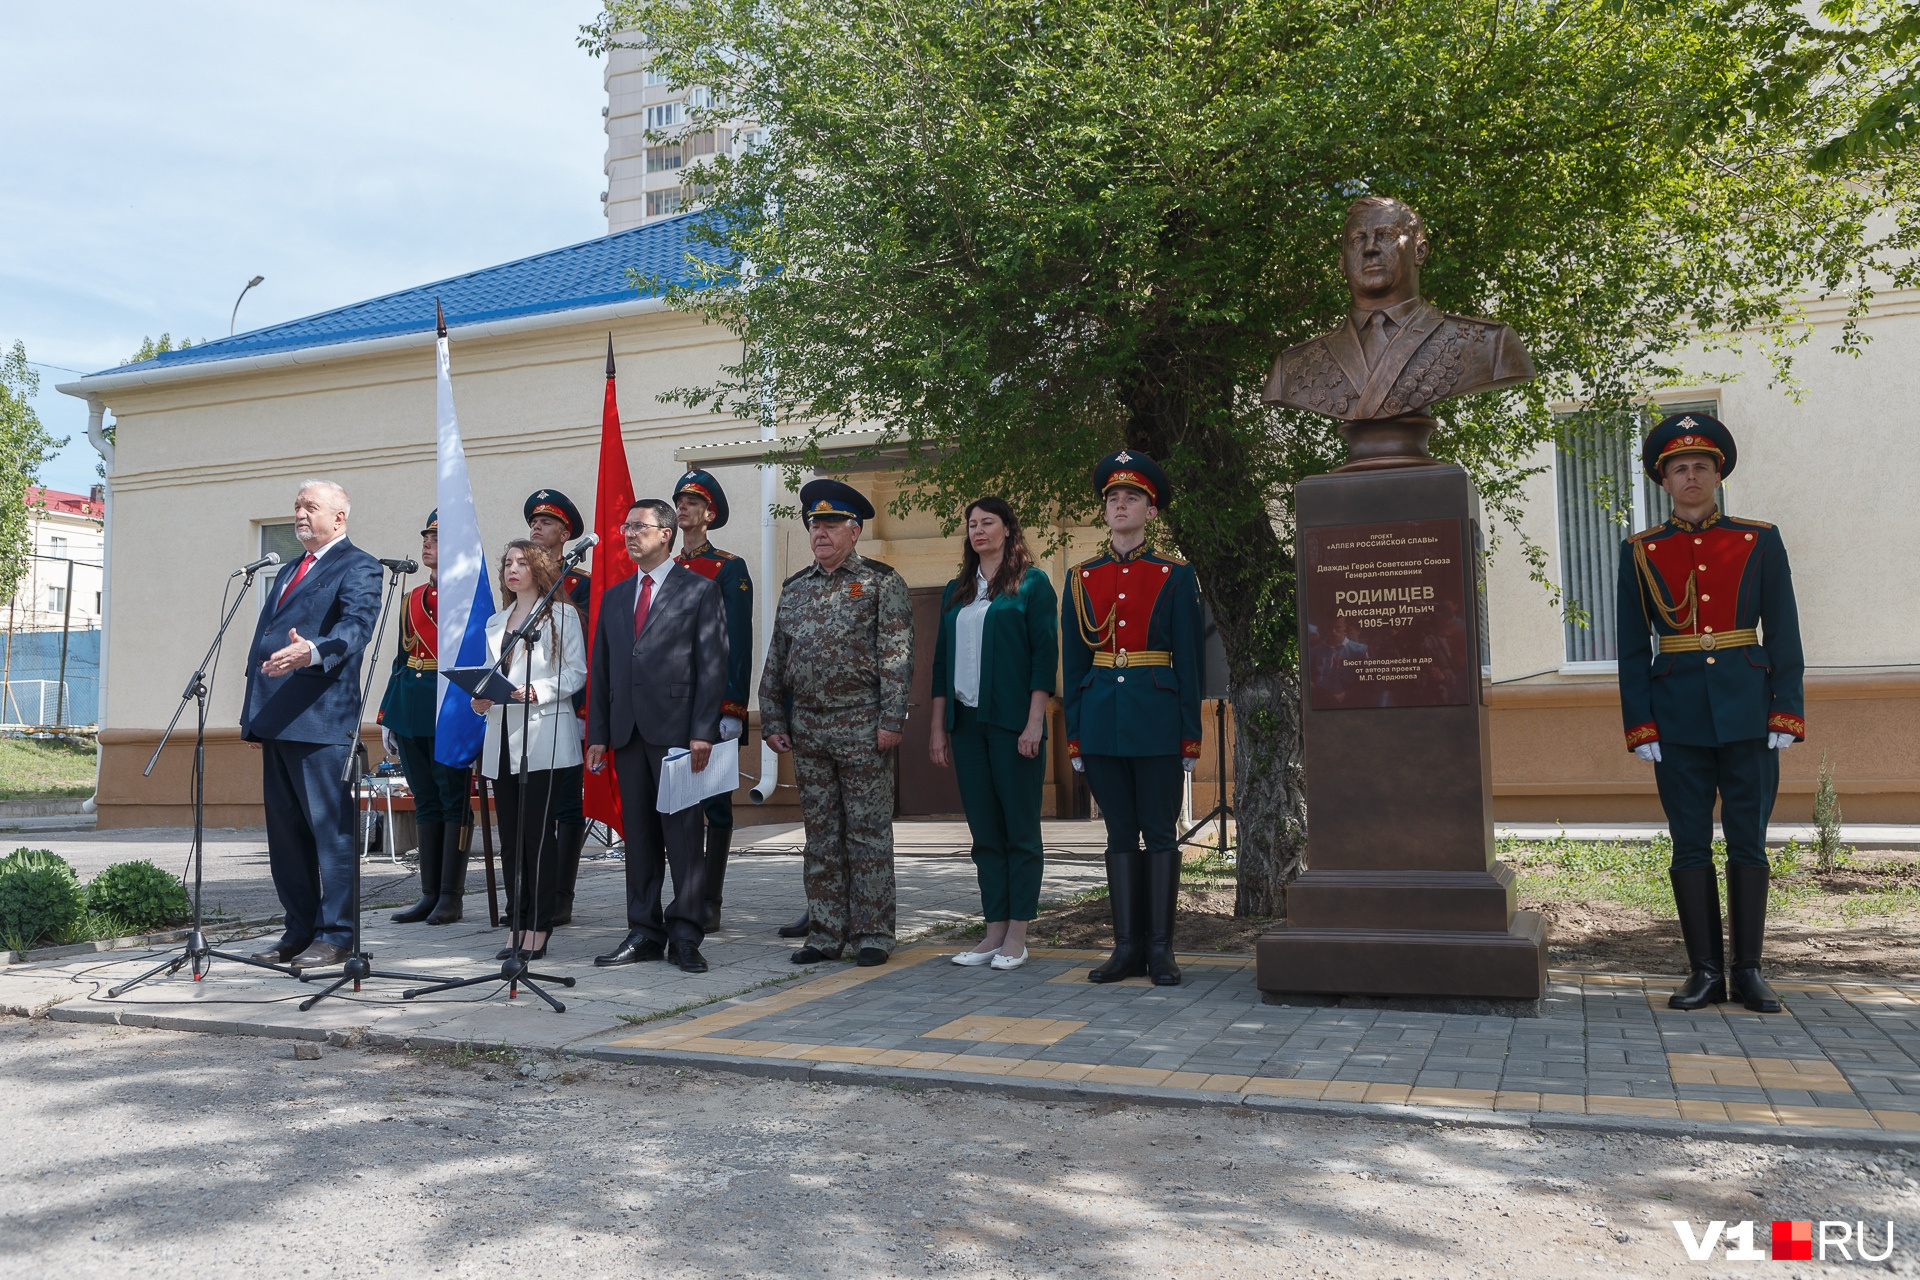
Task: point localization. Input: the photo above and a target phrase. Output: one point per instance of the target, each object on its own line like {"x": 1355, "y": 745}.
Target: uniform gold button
{"x": 1749, "y": 537}
{"x": 1123, "y": 595}
{"x": 1703, "y": 568}
{"x": 1123, "y": 571}
{"x": 1703, "y": 600}
{"x": 1120, "y": 679}
{"x": 1708, "y": 630}
{"x": 1709, "y": 661}
{"x": 1698, "y": 541}
{"x": 1123, "y": 622}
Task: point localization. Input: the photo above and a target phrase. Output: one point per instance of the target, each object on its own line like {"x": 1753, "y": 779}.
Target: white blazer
{"x": 553, "y": 726}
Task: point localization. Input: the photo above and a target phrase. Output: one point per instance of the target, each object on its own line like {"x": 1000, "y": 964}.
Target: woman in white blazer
{"x": 548, "y": 679}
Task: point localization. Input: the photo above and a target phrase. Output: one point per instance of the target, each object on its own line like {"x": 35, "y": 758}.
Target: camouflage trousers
{"x": 846, "y": 798}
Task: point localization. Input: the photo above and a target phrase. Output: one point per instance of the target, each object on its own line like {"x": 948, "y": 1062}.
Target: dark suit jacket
{"x": 335, "y": 606}
{"x": 1019, "y": 651}
{"x": 666, "y": 687}
{"x": 1435, "y": 356}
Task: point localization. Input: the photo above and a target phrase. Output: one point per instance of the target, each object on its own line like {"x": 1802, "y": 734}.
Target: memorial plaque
{"x": 1387, "y": 620}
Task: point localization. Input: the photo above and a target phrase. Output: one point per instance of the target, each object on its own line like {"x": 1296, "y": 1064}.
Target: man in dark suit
{"x": 659, "y": 679}
{"x": 302, "y": 708}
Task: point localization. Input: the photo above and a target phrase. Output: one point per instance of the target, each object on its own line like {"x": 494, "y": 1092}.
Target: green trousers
{"x": 1000, "y": 789}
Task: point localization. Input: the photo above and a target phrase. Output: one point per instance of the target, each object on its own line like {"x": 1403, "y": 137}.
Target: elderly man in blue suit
{"x": 302, "y": 709}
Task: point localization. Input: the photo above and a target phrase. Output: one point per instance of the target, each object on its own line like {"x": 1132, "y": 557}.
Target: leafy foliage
{"x": 25, "y": 446}
{"x": 139, "y": 894}
{"x": 40, "y": 898}
{"x": 1015, "y": 236}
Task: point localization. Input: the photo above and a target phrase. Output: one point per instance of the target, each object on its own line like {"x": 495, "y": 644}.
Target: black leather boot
{"x": 453, "y": 879}
{"x": 1129, "y": 958}
{"x": 1696, "y": 892}
{"x": 718, "y": 840}
{"x": 799, "y": 928}
{"x": 573, "y": 837}
{"x": 429, "y": 833}
{"x": 1163, "y": 900}
{"x": 1747, "y": 913}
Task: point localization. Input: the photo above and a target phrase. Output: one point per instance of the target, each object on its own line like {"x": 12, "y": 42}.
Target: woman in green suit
{"x": 993, "y": 671}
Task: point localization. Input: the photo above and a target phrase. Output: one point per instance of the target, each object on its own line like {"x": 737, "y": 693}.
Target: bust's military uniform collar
{"x": 1682, "y": 526}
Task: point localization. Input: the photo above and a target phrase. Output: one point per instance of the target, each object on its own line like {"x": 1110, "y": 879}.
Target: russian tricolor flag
{"x": 466, "y": 597}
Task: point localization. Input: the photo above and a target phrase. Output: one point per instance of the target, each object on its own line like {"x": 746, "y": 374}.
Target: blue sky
{"x": 160, "y": 156}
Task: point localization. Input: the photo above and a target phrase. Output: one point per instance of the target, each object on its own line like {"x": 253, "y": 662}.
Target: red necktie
{"x": 646, "y": 601}
{"x": 306, "y": 563}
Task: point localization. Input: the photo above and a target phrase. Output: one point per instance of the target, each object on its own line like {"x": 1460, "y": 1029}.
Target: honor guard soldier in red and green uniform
{"x": 701, "y": 506}
{"x": 408, "y": 715}
{"x": 553, "y": 521}
{"x": 1711, "y": 692}
{"x": 1130, "y": 645}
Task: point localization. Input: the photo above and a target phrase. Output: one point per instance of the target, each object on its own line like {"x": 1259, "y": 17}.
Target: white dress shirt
{"x": 969, "y": 630}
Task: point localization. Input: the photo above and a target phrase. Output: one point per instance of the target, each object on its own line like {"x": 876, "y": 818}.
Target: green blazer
{"x": 1019, "y": 651}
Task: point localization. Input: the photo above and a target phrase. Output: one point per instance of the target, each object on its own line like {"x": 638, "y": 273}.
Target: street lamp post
{"x": 236, "y": 303}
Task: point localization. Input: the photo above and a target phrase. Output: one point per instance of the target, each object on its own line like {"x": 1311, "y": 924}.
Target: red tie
{"x": 646, "y": 601}
{"x": 306, "y": 563}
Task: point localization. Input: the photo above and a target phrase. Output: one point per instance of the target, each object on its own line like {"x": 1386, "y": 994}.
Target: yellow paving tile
{"x": 1576, "y": 1102}
{"x": 1599, "y": 1104}
{"x": 1751, "y": 1113}
{"x": 982, "y": 1064}
{"x": 1005, "y": 1030}
{"x": 1840, "y": 1117}
{"x": 1128, "y": 1075}
{"x": 1345, "y": 1091}
{"x": 1516, "y": 1100}
{"x": 1069, "y": 1071}
{"x": 1226, "y": 1083}
{"x": 1480, "y": 1099}
{"x": 1701, "y": 1109}
{"x": 1266, "y": 1086}
{"x": 839, "y": 1053}
{"x": 1032, "y": 1068}
{"x": 1394, "y": 1093}
{"x": 789, "y": 1051}
{"x": 1185, "y": 1080}
{"x": 1905, "y": 1121}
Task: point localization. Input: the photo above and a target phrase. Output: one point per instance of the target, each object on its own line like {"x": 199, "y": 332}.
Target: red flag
{"x": 612, "y": 496}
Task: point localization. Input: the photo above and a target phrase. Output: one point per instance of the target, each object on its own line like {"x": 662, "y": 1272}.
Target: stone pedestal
{"x": 1403, "y": 900}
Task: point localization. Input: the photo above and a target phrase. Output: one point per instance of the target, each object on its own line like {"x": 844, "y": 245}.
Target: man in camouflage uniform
{"x": 834, "y": 692}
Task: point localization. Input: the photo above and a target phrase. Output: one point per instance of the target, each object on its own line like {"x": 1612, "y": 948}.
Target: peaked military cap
{"x": 433, "y": 524}
{"x": 552, "y": 502}
{"x": 833, "y": 500}
{"x": 1135, "y": 470}
{"x": 701, "y": 484}
{"x": 1679, "y": 433}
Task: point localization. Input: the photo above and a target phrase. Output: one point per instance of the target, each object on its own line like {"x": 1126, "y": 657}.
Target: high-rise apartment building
{"x": 654, "y": 144}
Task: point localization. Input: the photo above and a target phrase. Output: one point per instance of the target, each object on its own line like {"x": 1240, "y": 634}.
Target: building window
{"x": 652, "y": 79}
{"x": 666, "y": 115}
{"x": 701, "y": 144}
{"x": 661, "y": 159}
{"x": 1602, "y": 496}
{"x": 56, "y": 599}
{"x": 57, "y": 546}
{"x": 660, "y": 203}
{"x": 700, "y": 97}
{"x": 283, "y": 542}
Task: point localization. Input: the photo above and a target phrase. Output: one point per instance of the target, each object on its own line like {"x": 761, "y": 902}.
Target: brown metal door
{"x": 926, "y": 790}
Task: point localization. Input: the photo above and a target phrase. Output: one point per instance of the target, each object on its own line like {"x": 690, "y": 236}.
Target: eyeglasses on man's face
{"x": 631, "y": 528}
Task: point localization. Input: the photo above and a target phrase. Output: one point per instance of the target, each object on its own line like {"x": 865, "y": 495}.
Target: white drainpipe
{"x": 97, "y": 437}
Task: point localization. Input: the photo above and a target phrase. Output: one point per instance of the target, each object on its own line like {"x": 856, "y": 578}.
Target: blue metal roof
{"x": 582, "y": 275}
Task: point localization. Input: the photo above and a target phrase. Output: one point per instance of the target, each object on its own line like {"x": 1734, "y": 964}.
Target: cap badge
{"x": 1688, "y": 423}
{"x": 1123, "y": 457}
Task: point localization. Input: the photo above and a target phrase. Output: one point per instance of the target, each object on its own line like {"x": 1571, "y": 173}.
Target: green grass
{"x": 45, "y": 769}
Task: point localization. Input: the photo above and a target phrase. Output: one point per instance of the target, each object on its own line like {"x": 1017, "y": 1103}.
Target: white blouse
{"x": 969, "y": 631}
{"x": 558, "y": 668}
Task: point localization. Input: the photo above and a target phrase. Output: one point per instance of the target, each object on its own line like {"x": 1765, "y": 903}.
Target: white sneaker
{"x": 1010, "y": 962}
{"x": 973, "y": 959}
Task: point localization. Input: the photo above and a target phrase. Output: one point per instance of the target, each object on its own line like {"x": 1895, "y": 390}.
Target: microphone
{"x": 271, "y": 558}
{"x": 581, "y": 548}
{"x": 402, "y": 566}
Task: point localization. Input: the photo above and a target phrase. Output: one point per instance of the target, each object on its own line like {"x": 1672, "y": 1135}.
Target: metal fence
{"x": 32, "y": 692}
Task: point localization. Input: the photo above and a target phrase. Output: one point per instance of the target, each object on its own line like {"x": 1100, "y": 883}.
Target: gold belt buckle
{"x": 1707, "y": 640}
{"x": 1120, "y": 658}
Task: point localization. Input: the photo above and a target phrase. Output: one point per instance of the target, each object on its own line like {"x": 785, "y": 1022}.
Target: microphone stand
{"x": 513, "y": 970}
{"x": 358, "y": 966}
{"x": 196, "y": 950}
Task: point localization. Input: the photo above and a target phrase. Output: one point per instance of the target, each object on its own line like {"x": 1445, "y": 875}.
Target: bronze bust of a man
{"x": 1395, "y": 354}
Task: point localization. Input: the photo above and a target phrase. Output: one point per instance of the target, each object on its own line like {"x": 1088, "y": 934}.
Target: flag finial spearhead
{"x": 439, "y": 319}
{"x": 609, "y": 357}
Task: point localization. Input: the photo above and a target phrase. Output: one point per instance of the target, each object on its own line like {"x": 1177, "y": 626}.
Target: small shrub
{"x": 140, "y": 895}
{"x": 39, "y": 899}
{"x": 25, "y": 857}
{"x": 1826, "y": 819}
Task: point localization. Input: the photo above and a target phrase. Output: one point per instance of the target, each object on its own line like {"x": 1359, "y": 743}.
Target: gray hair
{"x": 663, "y": 513}
{"x": 346, "y": 505}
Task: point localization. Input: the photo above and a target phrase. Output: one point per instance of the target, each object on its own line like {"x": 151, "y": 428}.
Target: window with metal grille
{"x": 1602, "y": 496}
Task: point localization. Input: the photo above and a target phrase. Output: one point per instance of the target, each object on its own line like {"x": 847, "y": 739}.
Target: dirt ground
{"x": 142, "y": 1153}
{"x": 1803, "y": 940}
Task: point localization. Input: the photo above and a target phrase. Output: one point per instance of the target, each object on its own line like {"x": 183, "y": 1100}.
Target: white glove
{"x": 730, "y": 727}
{"x": 1188, "y": 763}
{"x": 1779, "y": 741}
{"x": 393, "y": 748}
{"x": 1648, "y": 751}
{"x": 1079, "y": 766}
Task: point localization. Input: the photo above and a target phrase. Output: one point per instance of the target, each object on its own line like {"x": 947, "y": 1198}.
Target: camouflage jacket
{"x": 841, "y": 641}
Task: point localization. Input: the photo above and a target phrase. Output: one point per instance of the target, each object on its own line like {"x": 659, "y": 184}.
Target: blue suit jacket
{"x": 335, "y": 606}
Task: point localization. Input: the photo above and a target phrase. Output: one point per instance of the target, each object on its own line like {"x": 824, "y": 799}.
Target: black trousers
{"x": 310, "y": 838}
{"x": 1744, "y": 775}
{"x": 655, "y": 842}
{"x": 532, "y": 868}
{"x": 1139, "y": 798}
{"x": 439, "y": 791}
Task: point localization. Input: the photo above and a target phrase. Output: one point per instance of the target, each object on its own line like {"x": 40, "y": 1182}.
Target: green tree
{"x": 1873, "y": 43}
{"x": 25, "y": 447}
{"x": 150, "y": 348}
{"x": 1016, "y": 235}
